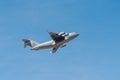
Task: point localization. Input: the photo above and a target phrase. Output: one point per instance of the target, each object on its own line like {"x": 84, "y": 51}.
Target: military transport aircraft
{"x": 58, "y": 40}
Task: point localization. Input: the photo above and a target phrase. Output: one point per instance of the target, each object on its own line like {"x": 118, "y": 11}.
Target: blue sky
{"x": 94, "y": 55}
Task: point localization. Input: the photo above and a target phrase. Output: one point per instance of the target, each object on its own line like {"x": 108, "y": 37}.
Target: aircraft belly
{"x": 45, "y": 45}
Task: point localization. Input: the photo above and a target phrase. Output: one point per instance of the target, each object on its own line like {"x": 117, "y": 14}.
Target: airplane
{"x": 59, "y": 40}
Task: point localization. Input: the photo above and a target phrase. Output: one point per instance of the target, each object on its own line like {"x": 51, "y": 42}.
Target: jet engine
{"x": 63, "y": 34}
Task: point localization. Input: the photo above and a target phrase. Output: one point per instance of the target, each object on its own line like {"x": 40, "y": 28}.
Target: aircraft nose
{"x": 73, "y": 35}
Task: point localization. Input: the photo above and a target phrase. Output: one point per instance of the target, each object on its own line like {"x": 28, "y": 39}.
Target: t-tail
{"x": 29, "y": 43}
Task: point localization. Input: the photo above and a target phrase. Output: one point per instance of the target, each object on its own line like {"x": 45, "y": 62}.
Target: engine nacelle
{"x": 63, "y": 34}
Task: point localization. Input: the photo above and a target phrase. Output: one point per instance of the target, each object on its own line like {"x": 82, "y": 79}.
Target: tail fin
{"x": 29, "y": 43}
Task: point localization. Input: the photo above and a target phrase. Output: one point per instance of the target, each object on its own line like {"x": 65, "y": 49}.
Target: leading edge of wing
{"x": 55, "y": 36}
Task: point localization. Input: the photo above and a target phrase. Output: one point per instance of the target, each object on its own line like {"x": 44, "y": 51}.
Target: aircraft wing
{"x": 54, "y": 49}
{"x": 55, "y": 36}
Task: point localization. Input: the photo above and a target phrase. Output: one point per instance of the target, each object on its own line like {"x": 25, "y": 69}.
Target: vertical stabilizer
{"x": 29, "y": 43}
